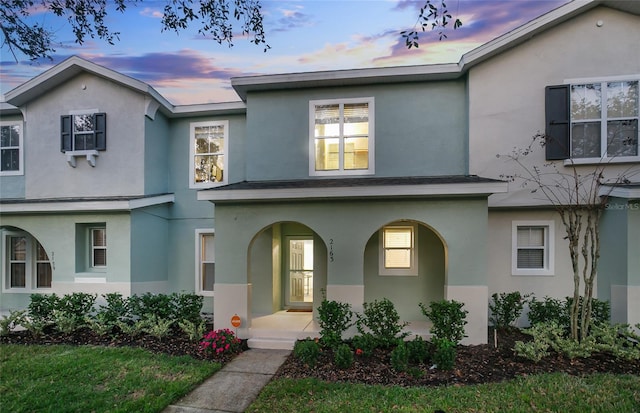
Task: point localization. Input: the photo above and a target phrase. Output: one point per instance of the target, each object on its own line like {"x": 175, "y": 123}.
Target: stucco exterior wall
{"x": 156, "y": 154}
{"x": 119, "y": 170}
{"x": 507, "y": 92}
{"x": 420, "y": 129}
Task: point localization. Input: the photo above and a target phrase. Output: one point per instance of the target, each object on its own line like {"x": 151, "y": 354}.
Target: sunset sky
{"x": 304, "y": 35}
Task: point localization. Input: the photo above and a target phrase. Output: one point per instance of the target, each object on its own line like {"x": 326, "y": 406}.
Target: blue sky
{"x": 304, "y": 35}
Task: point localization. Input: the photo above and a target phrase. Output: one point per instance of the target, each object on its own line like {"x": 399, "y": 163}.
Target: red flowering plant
{"x": 220, "y": 343}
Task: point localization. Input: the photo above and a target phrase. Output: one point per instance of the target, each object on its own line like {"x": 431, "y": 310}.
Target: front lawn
{"x": 62, "y": 378}
{"x": 555, "y": 392}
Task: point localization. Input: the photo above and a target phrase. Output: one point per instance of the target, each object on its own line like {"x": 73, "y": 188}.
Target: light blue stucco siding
{"x": 65, "y": 238}
{"x": 420, "y": 129}
{"x": 346, "y": 227}
{"x": 149, "y": 245}
{"x": 156, "y": 154}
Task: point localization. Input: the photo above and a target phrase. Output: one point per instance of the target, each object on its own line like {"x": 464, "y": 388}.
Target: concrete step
{"x": 271, "y": 343}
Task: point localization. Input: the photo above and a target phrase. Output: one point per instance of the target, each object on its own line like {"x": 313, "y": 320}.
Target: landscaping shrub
{"x": 548, "y": 310}
{"x": 194, "y": 330}
{"x": 40, "y": 309}
{"x": 307, "y": 351}
{"x": 400, "y": 357}
{"x": 14, "y": 319}
{"x": 187, "y": 306}
{"x": 76, "y": 306}
{"x": 381, "y": 319}
{"x": 506, "y": 309}
{"x": 147, "y": 305}
{"x": 343, "y": 356}
{"x": 222, "y": 342}
{"x": 116, "y": 308}
{"x": 418, "y": 350}
{"x": 448, "y": 319}
{"x": 444, "y": 355}
{"x": 156, "y": 326}
{"x": 334, "y": 319}
{"x": 365, "y": 343}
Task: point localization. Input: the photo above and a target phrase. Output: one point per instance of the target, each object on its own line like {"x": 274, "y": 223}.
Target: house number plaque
{"x": 331, "y": 250}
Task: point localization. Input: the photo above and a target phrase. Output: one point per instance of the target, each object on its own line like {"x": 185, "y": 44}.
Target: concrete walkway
{"x": 235, "y": 387}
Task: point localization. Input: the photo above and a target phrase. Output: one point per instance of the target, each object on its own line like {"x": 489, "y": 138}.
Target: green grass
{"x": 555, "y": 392}
{"x": 94, "y": 379}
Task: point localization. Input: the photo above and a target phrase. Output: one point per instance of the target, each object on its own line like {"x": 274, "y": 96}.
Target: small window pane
{"x": 100, "y": 257}
{"x": 208, "y": 276}
{"x": 585, "y": 101}
{"x": 208, "y": 250}
{"x": 622, "y": 99}
{"x": 9, "y": 160}
{"x": 585, "y": 141}
{"x": 18, "y": 248}
{"x": 99, "y": 237}
{"x": 531, "y": 237}
{"x": 397, "y": 237}
{"x": 18, "y": 275}
{"x": 622, "y": 138}
{"x": 356, "y": 153}
{"x": 9, "y": 136}
{"x": 530, "y": 258}
{"x": 41, "y": 254}
{"x": 397, "y": 258}
{"x": 43, "y": 277}
{"x": 327, "y": 154}
{"x": 83, "y": 123}
{"x": 327, "y": 114}
{"x": 209, "y": 168}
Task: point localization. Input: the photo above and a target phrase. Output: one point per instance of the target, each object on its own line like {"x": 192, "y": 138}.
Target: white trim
{"x": 598, "y": 161}
{"x": 192, "y": 154}
{"x": 102, "y": 205}
{"x": 583, "y": 80}
{"x": 381, "y": 191}
{"x": 370, "y": 101}
{"x": 20, "y": 170}
{"x": 413, "y": 269}
{"x": 198, "y": 248}
{"x": 549, "y": 248}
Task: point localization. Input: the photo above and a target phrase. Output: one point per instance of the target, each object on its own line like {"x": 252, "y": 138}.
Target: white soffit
{"x": 85, "y": 205}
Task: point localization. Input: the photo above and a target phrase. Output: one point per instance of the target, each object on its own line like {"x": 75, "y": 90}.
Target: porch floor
{"x": 280, "y": 330}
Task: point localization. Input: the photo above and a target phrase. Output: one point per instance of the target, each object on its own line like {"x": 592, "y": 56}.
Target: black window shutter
{"x": 65, "y": 134}
{"x": 557, "y": 107}
{"x": 100, "y": 122}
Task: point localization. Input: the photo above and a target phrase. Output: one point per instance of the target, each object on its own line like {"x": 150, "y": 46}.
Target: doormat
{"x": 298, "y": 310}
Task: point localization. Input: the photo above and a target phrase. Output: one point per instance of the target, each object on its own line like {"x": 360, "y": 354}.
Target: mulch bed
{"x": 474, "y": 364}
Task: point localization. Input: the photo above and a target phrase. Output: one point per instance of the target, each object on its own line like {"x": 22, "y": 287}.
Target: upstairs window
{"x": 594, "y": 120}
{"x": 398, "y": 250}
{"x": 341, "y": 137}
{"x": 208, "y": 154}
{"x": 10, "y": 149}
{"x": 83, "y": 132}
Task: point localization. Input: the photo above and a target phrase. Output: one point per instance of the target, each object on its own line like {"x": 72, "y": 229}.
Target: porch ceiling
{"x": 354, "y": 188}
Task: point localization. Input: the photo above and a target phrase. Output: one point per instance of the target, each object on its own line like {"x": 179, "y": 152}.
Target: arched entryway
{"x": 287, "y": 272}
{"x": 405, "y": 261}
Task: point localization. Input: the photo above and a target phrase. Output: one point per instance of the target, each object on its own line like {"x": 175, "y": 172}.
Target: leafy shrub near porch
{"x": 307, "y": 351}
{"x": 554, "y": 310}
{"x": 381, "y": 319}
{"x": 364, "y": 344}
{"x": 448, "y": 319}
{"x": 334, "y": 319}
{"x": 343, "y": 356}
{"x": 444, "y": 355}
{"x": 506, "y": 308}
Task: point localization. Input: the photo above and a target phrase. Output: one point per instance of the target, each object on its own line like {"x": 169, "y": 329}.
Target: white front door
{"x": 299, "y": 273}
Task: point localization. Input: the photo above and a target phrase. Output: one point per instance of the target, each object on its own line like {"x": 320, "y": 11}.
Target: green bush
{"x": 156, "y": 326}
{"x": 548, "y": 310}
{"x": 116, "y": 308}
{"x": 193, "y": 330}
{"x": 444, "y": 355}
{"x": 366, "y": 343}
{"x": 400, "y": 357}
{"x": 187, "y": 306}
{"x": 343, "y": 356}
{"x": 77, "y": 306}
{"x": 40, "y": 309}
{"x": 334, "y": 319}
{"x": 506, "y": 309}
{"x": 65, "y": 322}
{"x": 448, "y": 319}
{"x": 100, "y": 324}
{"x": 418, "y": 350}
{"x": 307, "y": 351}
{"x": 14, "y": 319}
{"x": 381, "y": 319}
{"x": 148, "y": 305}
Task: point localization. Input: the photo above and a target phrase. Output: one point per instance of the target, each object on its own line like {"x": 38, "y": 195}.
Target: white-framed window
{"x": 11, "y": 148}
{"x": 398, "y": 249}
{"x": 604, "y": 119}
{"x": 27, "y": 266}
{"x": 532, "y": 248}
{"x": 98, "y": 247}
{"x": 208, "y": 153}
{"x": 205, "y": 262}
{"x": 341, "y": 137}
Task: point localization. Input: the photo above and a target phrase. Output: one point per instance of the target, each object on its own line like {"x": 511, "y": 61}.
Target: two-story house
{"x": 353, "y": 185}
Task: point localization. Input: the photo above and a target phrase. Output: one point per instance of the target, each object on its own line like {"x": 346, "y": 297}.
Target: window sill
{"x": 338, "y": 174}
{"x": 597, "y": 161}
{"x": 90, "y": 155}
{"x": 205, "y": 293}
{"x": 532, "y": 273}
{"x": 26, "y": 290}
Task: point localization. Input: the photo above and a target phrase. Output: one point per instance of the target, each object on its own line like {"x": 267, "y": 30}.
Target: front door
{"x": 299, "y": 273}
